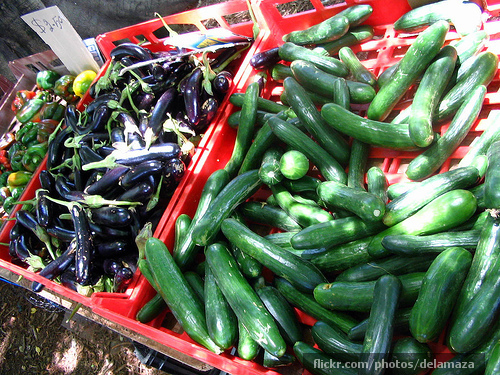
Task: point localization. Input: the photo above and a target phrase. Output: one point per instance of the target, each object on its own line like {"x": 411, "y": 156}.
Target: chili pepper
{"x": 4, "y": 160}
{"x": 34, "y": 156}
{"x": 45, "y": 129}
{"x": 63, "y": 87}
{"x": 22, "y": 97}
{"x": 30, "y": 111}
{"x": 19, "y": 178}
{"x": 30, "y": 136}
{"x": 3, "y": 178}
{"x": 46, "y": 79}
{"x": 16, "y": 161}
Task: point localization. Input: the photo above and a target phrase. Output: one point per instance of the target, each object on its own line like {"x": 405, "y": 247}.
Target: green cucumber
{"x": 307, "y": 304}
{"x": 334, "y": 232}
{"x": 291, "y": 52}
{"x": 377, "y": 183}
{"x": 410, "y": 245}
{"x": 407, "y": 204}
{"x": 237, "y": 191}
{"x": 386, "y": 75}
{"x": 358, "y": 296}
{"x": 249, "y": 267}
{"x": 399, "y": 188}
{"x": 151, "y": 309}
{"x": 416, "y": 59}
{"x": 357, "y": 164}
{"x": 367, "y": 206}
{"x": 492, "y": 178}
{"x": 356, "y": 14}
{"x": 263, "y": 213}
{"x": 410, "y": 356}
{"x": 196, "y": 283}
{"x": 480, "y": 73}
{"x": 263, "y": 104}
{"x": 247, "y": 347}
{"x": 341, "y": 94}
{"x": 306, "y": 183}
{"x": 359, "y": 72}
{"x": 182, "y": 224}
{"x": 282, "y": 239}
{"x": 470, "y": 44}
{"x": 221, "y": 320}
{"x": 401, "y": 319}
{"x": 493, "y": 364}
{"x": 318, "y": 363}
{"x": 301, "y": 273}
{"x": 243, "y": 300}
{"x": 320, "y": 82}
{"x": 438, "y": 294}
{"x": 429, "y": 92}
{"x": 393, "y": 265}
{"x": 378, "y": 337}
{"x": 282, "y": 312}
{"x": 343, "y": 256}
{"x": 330, "y": 29}
{"x": 294, "y": 165}
{"x": 445, "y": 212}
{"x": 333, "y": 341}
{"x": 309, "y": 115}
{"x": 234, "y": 119}
{"x": 381, "y": 134}
{"x": 245, "y": 131}
{"x": 269, "y": 171}
{"x": 279, "y": 72}
{"x": 327, "y": 164}
{"x": 185, "y": 252}
{"x": 355, "y": 35}
{"x": 271, "y": 361}
{"x": 433, "y": 157}
{"x": 178, "y": 294}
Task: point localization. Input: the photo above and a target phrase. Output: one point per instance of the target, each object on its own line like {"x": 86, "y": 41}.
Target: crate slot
{"x": 294, "y": 7}
{"x": 238, "y": 17}
{"x": 327, "y": 3}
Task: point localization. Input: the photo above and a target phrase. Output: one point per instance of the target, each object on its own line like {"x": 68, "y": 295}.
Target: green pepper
{"x": 45, "y": 129}
{"x": 30, "y": 111}
{"x": 30, "y": 136}
{"x": 3, "y": 178}
{"x": 19, "y": 178}
{"x": 24, "y": 129}
{"x": 17, "y": 146}
{"x": 46, "y": 79}
{"x": 64, "y": 88}
{"x": 8, "y": 204}
{"x": 52, "y": 110}
{"x": 34, "y": 156}
{"x": 17, "y": 192}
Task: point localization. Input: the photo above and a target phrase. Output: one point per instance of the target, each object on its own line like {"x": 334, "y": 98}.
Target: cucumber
{"x": 359, "y": 72}
{"x": 399, "y": 188}
{"x": 429, "y": 92}
{"x": 319, "y": 363}
{"x": 393, "y": 265}
{"x": 407, "y": 204}
{"x": 269, "y": 171}
{"x": 307, "y": 304}
{"x": 294, "y": 165}
{"x": 438, "y": 294}
{"x": 377, "y": 183}
{"x": 480, "y": 73}
{"x": 357, "y": 164}
{"x": 416, "y": 59}
{"x": 237, "y": 191}
{"x": 492, "y": 178}
{"x": 249, "y": 267}
{"x": 409, "y": 245}
{"x": 401, "y": 318}
{"x": 367, "y": 206}
{"x": 182, "y": 224}
{"x": 279, "y": 72}
{"x": 263, "y": 104}
{"x": 470, "y": 45}
{"x": 264, "y": 213}
{"x": 320, "y": 82}
{"x": 178, "y": 294}
{"x": 335, "y": 342}
{"x": 186, "y": 251}
{"x": 271, "y": 361}
{"x": 291, "y": 52}
{"x": 493, "y": 364}
{"x": 410, "y": 356}
{"x": 306, "y": 183}
{"x": 325, "y": 31}
{"x": 245, "y": 131}
{"x": 234, "y": 119}
{"x": 355, "y": 35}
{"x": 301, "y": 273}
{"x": 358, "y": 296}
{"x": 372, "y": 132}
{"x": 221, "y": 320}
{"x": 445, "y": 212}
{"x": 334, "y": 232}
{"x": 151, "y": 309}
{"x": 196, "y": 283}
{"x": 328, "y": 166}
{"x": 433, "y": 157}
{"x": 282, "y": 312}
{"x": 378, "y": 337}
{"x": 341, "y": 95}
{"x": 282, "y": 239}
{"x": 309, "y": 115}
{"x": 247, "y": 347}
{"x": 472, "y": 325}
{"x": 243, "y": 300}
{"x": 386, "y": 75}
{"x": 356, "y": 14}
{"x": 343, "y": 256}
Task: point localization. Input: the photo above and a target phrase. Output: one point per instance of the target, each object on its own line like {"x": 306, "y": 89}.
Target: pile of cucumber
{"x": 385, "y": 270}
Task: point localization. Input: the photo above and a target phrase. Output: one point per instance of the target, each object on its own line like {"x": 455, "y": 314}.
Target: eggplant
{"x": 111, "y": 266}
{"x": 144, "y": 100}
{"x": 117, "y": 136}
{"x": 140, "y": 173}
{"x": 208, "y": 111}
{"x": 222, "y": 57}
{"x": 68, "y": 280}
{"x": 43, "y": 208}
{"x": 61, "y": 233}
{"x": 105, "y": 232}
{"x": 222, "y": 82}
{"x": 92, "y": 178}
{"x": 92, "y": 138}
{"x": 122, "y": 279}
{"x": 265, "y": 59}
{"x": 135, "y": 141}
{"x": 99, "y": 120}
{"x": 160, "y": 110}
{"x": 105, "y": 150}
{"x": 16, "y": 230}
{"x": 158, "y": 72}
{"x": 130, "y": 49}
{"x": 142, "y": 72}
{"x": 47, "y": 181}
{"x": 56, "y": 267}
{"x": 192, "y": 96}
{"x": 162, "y": 152}
{"x": 101, "y": 100}
{"x": 114, "y": 217}
{"x": 141, "y": 192}
{"x": 65, "y": 190}
{"x": 88, "y": 155}
{"x": 56, "y": 149}
{"x": 174, "y": 169}
{"x": 28, "y": 221}
{"x": 108, "y": 180}
{"x": 143, "y": 122}
{"x": 20, "y": 247}
{"x": 113, "y": 248}
{"x": 84, "y": 245}
{"x": 72, "y": 118}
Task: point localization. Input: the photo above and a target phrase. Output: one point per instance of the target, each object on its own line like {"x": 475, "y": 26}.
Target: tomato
{"x": 82, "y": 82}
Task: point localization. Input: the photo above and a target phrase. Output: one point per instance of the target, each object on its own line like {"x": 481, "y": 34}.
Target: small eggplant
{"x": 28, "y": 221}
{"x": 64, "y": 189}
{"x": 101, "y": 100}
{"x": 174, "y": 169}
{"x": 47, "y": 181}
{"x": 105, "y": 150}
{"x": 71, "y": 118}
{"x": 16, "y": 230}
{"x": 99, "y": 120}
{"x": 56, "y": 267}
{"x": 105, "y": 232}
{"x": 139, "y": 193}
{"x": 114, "y": 217}
{"x": 127, "y": 61}
{"x": 208, "y": 111}
{"x": 92, "y": 178}
{"x": 122, "y": 279}
{"x": 108, "y": 180}
{"x": 265, "y": 59}
{"x": 222, "y": 82}
{"x": 130, "y": 49}
{"x": 21, "y": 247}
{"x": 135, "y": 141}
{"x": 61, "y": 233}
{"x": 222, "y": 57}
{"x": 144, "y": 100}
{"x": 84, "y": 245}
{"x": 159, "y": 72}
{"x": 111, "y": 266}
{"x": 114, "y": 248}
{"x": 192, "y": 96}
{"x": 87, "y": 155}
{"x": 56, "y": 149}
{"x": 160, "y": 110}
{"x": 43, "y": 208}
{"x": 93, "y": 138}
{"x": 68, "y": 280}
{"x": 140, "y": 173}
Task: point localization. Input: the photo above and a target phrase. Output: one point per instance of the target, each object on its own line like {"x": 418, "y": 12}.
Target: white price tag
{"x": 55, "y": 30}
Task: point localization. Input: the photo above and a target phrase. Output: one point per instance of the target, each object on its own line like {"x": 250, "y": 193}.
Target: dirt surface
{"x": 35, "y": 338}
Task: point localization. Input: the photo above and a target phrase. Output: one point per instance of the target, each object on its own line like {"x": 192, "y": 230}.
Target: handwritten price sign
{"x": 43, "y": 26}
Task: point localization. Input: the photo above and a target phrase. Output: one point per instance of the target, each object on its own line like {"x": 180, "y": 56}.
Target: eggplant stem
{"x": 171, "y": 32}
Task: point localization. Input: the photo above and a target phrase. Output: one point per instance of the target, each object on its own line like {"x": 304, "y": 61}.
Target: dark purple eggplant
{"x": 144, "y": 100}
{"x": 160, "y": 110}
{"x": 117, "y": 136}
{"x": 179, "y": 73}
{"x": 143, "y": 122}
{"x": 135, "y": 141}
{"x": 43, "y": 208}
{"x": 192, "y": 96}
{"x": 222, "y": 57}
{"x": 56, "y": 267}
{"x": 56, "y": 149}
{"x": 128, "y": 122}
{"x": 65, "y": 190}
{"x": 111, "y": 266}
{"x": 84, "y": 245}
{"x": 159, "y": 72}
{"x": 114, "y": 217}
{"x": 135, "y": 224}
{"x": 163, "y": 152}
{"x": 28, "y": 221}
{"x": 68, "y": 280}
{"x": 92, "y": 178}
{"x": 101, "y": 100}
{"x": 208, "y": 111}
{"x": 174, "y": 169}
{"x": 16, "y": 230}
{"x": 99, "y": 120}
{"x": 61, "y": 233}
{"x": 139, "y": 193}
{"x": 108, "y": 180}
{"x": 72, "y": 117}
{"x": 222, "y": 82}
{"x": 47, "y": 181}
{"x": 21, "y": 247}
{"x": 88, "y": 155}
{"x": 265, "y": 59}
{"x": 130, "y": 49}
{"x": 113, "y": 248}
{"x": 122, "y": 279}
{"x": 93, "y": 138}
{"x": 105, "y": 150}
{"x": 105, "y": 232}
{"x": 140, "y": 173}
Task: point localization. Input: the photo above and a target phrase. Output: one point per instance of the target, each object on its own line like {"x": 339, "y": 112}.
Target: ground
{"x": 36, "y": 339}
